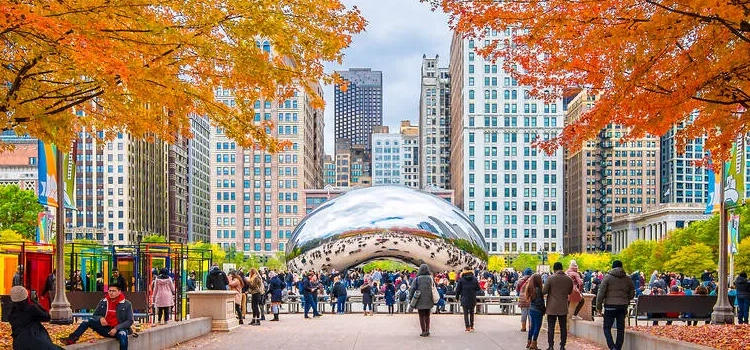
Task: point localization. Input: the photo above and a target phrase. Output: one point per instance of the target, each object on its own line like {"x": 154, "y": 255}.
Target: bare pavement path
{"x": 355, "y": 331}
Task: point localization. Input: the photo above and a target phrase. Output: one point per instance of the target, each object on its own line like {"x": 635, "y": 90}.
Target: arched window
{"x": 487, "y": 94}
{"x": 471, "y": 94}
{"x": 266, "y": 47}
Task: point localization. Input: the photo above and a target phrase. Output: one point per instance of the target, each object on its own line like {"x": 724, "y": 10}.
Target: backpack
{"x": 402, "y": 295}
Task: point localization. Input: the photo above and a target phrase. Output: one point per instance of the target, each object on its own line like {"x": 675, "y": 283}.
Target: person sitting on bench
{"x": 112, "y": 318}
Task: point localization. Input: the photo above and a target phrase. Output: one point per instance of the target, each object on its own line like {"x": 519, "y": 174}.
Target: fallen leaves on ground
{"x": 55, "y": 331}
{"x": 725, "y": 337}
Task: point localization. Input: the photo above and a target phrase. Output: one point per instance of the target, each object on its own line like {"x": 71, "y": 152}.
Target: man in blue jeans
{"x": 310, "y": 291}
{"x": 112, "y": 318}
{"x": 615, "y": 293}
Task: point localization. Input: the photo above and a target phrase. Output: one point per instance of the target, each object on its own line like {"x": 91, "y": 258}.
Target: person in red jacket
{"x": 112, "y": 318}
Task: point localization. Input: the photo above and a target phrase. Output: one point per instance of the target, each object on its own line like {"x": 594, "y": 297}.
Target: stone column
{"x": 216, "y": 304}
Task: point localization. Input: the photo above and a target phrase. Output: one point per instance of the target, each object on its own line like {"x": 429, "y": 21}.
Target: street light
{"x": 543, "y": 254}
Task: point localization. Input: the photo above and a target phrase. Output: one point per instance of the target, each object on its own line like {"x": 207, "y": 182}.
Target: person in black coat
{"x": 26, "y": 323}
{"x": 275, "y": 288}
{"x": 743, "y": 297}
{"x": 466, "y": 291}
{"x": 217, "y": 279}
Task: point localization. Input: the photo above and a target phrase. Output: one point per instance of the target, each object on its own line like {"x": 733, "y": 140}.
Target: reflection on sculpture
{"x": 386, "y": 222}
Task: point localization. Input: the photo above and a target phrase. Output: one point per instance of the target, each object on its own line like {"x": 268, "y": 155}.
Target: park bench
{"x": 83, "y": 304}
{"x": 699, "y": 307}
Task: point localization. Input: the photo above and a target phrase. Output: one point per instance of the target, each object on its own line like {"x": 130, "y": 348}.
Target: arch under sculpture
{"x": 385, "y": 222}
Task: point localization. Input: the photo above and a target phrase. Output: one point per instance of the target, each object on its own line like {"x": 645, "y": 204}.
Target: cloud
{"x": 398, "y": 33}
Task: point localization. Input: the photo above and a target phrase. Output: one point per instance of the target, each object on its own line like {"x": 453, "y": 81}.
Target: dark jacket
{"x": 423, "y": 282}
{"x": 120, "y": 282}
{"x": 743, "y": 289}
{"x": 276, "y": 288}
{"x": 339, "y": 290}
{"x": 26, "y": 327}
{"x": 616, "y": 289}
{"x": 467, "y": 288}
{"x": 367, "y": 291}
{"x": 124, "y": 314}
{"x": 389, "y": 294}
{"x": 217, "y": 279}
{"x": 538, "y": 303}
{"x": 191, "y": 284}
{"x": 558, "y": 287}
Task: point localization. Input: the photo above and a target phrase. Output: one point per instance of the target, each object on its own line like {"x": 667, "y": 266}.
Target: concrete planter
{"x": 217, "y": 305}
{"x": 155, "y": 338}
{"x": 593, "y": 331}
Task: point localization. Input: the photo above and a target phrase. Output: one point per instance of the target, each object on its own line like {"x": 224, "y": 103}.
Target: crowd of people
{"x": 423, "y": 291}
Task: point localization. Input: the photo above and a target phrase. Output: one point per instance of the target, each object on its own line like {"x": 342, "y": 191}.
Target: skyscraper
{"x": 199, "y": 186}
{"x": 395, "y": 157}
{"x": 256, "y": 196}
{"x": 606, "y": 178}
{"x": 178, "y": 190}
{"x": 435, "y": 125}
{"x": 512, "y": 191}
{"x": 359, "y": 106}
{"x": 681, "y": 180}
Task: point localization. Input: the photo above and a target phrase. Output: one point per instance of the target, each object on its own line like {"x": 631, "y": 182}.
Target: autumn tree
{"x": 652, "y": 62}
{"x": 19, "y": 210}
{"x": 145, "y": 67}
{"x": 637, "y": 255}
{"x": 691, "y": 260}
{"x": 496, "y": 263}
{"x": 524, "y": 260}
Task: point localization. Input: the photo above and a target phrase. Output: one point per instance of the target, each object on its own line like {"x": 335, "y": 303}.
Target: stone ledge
{"x": 593, "y": 331}
{"x": 155, "y": 338}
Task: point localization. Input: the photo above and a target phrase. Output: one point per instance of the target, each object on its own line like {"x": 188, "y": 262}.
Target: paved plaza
{"x": 354, "y": 331}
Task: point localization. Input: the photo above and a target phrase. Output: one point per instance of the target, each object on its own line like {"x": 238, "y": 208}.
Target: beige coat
{"x": 235, "y": 285}
{"x": 557, "y": 289}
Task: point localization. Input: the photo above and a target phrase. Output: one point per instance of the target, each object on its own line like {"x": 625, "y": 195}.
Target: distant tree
{"x": 8, "y": 235}
{"x": 19, "y": 210}
{"x": 154, "y": 239}
{"x": 524, "y": 260}
{"x": 637, "y": 255}
{"x": 588, "y": 261}
{"x": 742, "y": 258}
{"x": 496, "y": 263}
{"x": 691, "y": 260}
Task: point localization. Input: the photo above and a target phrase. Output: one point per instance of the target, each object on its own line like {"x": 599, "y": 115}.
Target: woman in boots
{"x": 275, "y": 288}
{"x": 533, "y": 292}
{"x": 255, "y": 287}
{"x": 235, "y": 285}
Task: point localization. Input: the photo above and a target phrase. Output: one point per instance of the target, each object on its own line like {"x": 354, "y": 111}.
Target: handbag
{"x": 435, "y": 294}
{"x": 575, "y": 296}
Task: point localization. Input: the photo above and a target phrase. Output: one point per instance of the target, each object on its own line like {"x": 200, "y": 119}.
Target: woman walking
{"x": 533, "y": 292}
{"x": 255, "y": 287}
{"x": 235, "y": 285}
{"x": 421, "y": 292}
{"x": 466, "y": 291}
{"x": 162, "y": 297}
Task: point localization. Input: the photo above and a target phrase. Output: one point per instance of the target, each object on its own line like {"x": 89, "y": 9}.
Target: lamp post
{"x": 723, "y": 311}
{"x": 543, "y": 254}
{"x": 60, "y": 311}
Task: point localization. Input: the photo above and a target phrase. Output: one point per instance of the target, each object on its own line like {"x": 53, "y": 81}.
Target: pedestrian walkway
{"x": 357, "y": 332}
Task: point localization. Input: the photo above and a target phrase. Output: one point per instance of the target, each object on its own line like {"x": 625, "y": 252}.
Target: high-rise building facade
{"x": 359, "y": 106}
{"x": 329, "y": 171}
{"x": 122, "y": 190}
{"x": 511, "y": 190}
{"x": 435, "y": 124}
{"x": 256, "y": 196}
{"x": 198, "y": 177}
{"x": 178, "y": 190}
{"x": 395, "y": 157}
{"x": 681, "y": 180}
{"x": 19, "y": 166}
{"x": 606, "y": 178}
{"x": 351, "y": 162}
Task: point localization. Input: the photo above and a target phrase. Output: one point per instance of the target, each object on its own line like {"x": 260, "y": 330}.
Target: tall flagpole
{"x": 60, "y": 311}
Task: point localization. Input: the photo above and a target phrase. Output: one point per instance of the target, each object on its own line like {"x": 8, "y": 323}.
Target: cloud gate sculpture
{"x": 385, "y": 222}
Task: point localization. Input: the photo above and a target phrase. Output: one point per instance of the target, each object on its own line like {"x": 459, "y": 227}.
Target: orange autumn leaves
{"x": 145, "y": 67}
{"x": 654, "y": 62}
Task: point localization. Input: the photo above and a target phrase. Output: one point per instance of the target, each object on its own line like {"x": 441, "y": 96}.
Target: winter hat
{"x": 527, "y": 271}
{"x": 557, "y": 266}
{"x": 616, "y": 264}
{"x": 18, "y": 293}
{"x": 573, "y": 264}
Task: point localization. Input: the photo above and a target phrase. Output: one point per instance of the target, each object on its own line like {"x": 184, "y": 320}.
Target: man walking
{"x": 615, "y": 293}
{"x": 557, "y": 288}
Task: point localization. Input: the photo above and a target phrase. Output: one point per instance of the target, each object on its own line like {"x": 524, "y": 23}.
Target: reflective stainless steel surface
{"x": 385, "y": 222}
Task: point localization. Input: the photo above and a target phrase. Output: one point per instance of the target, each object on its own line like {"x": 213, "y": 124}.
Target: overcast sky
{"x": 398, "y": 33}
